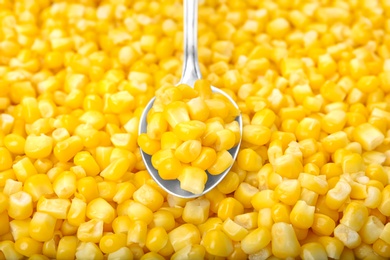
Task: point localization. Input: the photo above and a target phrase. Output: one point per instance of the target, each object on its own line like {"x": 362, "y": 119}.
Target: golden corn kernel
{"x": 264, "y": 199}
{"x": 6, "y": 159}
{"x": 184, "y": 235}
{"x": 188, "y": 151}
{"x": 230, "y": 183}
{"x": 14, "y": 143}
{"x": 42, "y": 226}
{"x": 249, "y": 160}
{"x": 302, "y": 215}
{"x": 337, "y": 196}
{"x": 288, "y": 166}
{"x": 217, "y": 243}
{"x": 348, "y": 236}
{"x": 68, "y": 148}
{"x": 58, "y": 208}
{"x": 368, "y": 136}
{"x": 100, "y": 209}
{"x": 313, "y": 250}
{"x": 229, "y": 208}
{"x": 223, "y": 161}
{"x": 64, "y": 184}
{"x": 192, "y": 179}
{"x": 256, "y": 134}
{"x": 233, "y": 230}
{"x": 284, "y": 240}
{"x": 88, "y": 249}
{"x": 20, "y": 205}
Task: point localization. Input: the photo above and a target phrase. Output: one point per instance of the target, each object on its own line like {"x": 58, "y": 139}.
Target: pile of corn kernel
{"x": 311, "y": 181}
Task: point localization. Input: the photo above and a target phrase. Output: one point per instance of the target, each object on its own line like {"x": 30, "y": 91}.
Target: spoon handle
{"x": 191, "y": 71}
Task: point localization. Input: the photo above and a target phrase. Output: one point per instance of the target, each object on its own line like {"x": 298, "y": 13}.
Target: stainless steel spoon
{"x": 190, "y": 74}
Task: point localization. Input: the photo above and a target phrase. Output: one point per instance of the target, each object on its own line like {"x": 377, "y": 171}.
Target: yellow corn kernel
{"x": 371, "y": 230}
{"x": 184, "y": 235}
{"x": 24, "y": 169}
{"x": 8, "y": 250}
{"x": 138, "y": 211}
{"x": 3, "y": 202}
{"x": 77, "y": 211}
{"x": 384, "y": 205}
{"x": 191, "y": 252}
{"x": 288, "y": 166}
{"x": 149, "y": 145}
{"x": 164, "y": 219}
{"x": 385, "y": 234}
{"x": 247, "y": 220}
{"x": 264, "y": 199}
{"x": 308, "y": 128}
{"x": 157, "y": 125}
{"x": 6, "y": 159}
{"x": 14, "y": 143}
{"x": 265, "y": 117}
{"x": 87, "y": 187}
{"x": 137, "y": 232}
{"x": 348, "y": 236}
{"x": 313, "y": 250}
{"x": 90, "y": 231}
{"x": 223, "y": 161}
{"x": 89, "y": 135}
{"x": 217, "y": 243}
{"x": 89, "y": 164}
{"x": 100, "y": 209}
{"x": 156, "y": 239}
{"x": 169, "y": 141}
{"x": 28, "y": 246}
{"x": 225, "y": 140}
{"x": 373, "y": 198}
{"x": 233, "y": 230}
{"x": 323, "y": 225}
{"x": 205, "y": 159}
{"x": 38, "y": 146}
{"x": 284, "y": 241}
{"x": 229, "y": 184}
{"x": 68, "y": 148}
{"x": 12, "y": 187}
{"x": 116, "y": 169}
{"x": 212, "y": 126}
{"x": 110, "y": 243}
{"x": 198, "y": 109}
{"x": 229, "y": 208}
{"x": 337, "y": 196}
{"x": 256, "y": 134}
{"x": 249, "y": 160}
{"x": 37, "y": 186}
{"x": 20, "y": 205}
{"x": 192, "y": 179}
{"x": 149, "y": 197}
{"x": 381, "y": 248}
{"x": 190, "y": 130}
{"x": 42, "y": 226}
{"x": 58, "y": 208}
{"x": 88, "y": 250}
{"x": 64, "y": 184}
{"x": 244, "y": 194}
{"x": 313, "y": 183}
{"x": 176, "y": 112}
{"x": 121, "y": 253}
{"x": 210, "y": 224}
{"x": 288, "y": 191}
{"x": 280, "y": 213}
{"x": 302, "y": 215}
{"x": 188, "y": 151}
{"x": 196, "y": 211}
{"x": 368, "y": 136}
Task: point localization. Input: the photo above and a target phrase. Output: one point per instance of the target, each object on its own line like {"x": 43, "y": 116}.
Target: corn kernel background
{"x": 311, "y": 78}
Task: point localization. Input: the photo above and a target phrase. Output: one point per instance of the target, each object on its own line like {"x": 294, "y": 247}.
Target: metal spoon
{"x": 190, "y": 74}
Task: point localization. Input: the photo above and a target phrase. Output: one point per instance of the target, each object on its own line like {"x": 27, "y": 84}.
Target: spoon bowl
{"x": 190, "y": 74}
